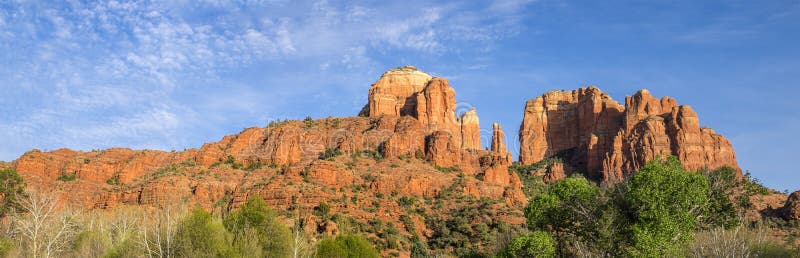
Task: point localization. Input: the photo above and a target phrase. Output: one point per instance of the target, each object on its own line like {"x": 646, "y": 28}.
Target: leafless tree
{"x": 158, "y": 232}
{"x": 302, "y": 246}
{"x": 43, "y": 229}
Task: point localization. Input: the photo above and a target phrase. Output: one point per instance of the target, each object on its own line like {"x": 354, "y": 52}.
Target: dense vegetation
{"x": 656, "y": 213}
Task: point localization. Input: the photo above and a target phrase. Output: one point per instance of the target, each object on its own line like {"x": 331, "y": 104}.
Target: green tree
{"x": 346, "y": 246}
{"x": 536, "y": 244}
{"x": 566, "y": 206}
{"x": 665, "y": 201}
{"x": 720, "y": 211}
{"x": 576, "y": 211}
{"x": 199, "y": 235}
{"x": 11, "y": 188}
{"x": 255, "y": 222}
{"x": 419, "y": 250}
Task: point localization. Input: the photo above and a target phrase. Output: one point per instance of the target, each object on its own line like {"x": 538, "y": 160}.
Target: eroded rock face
{"x": 791, "y": 210}
{"x": 597, "y": 135}
{"x": 470, "y": 131}
{"x": 411, "y": 115}
{"x": 394, "y": 93}
{"x": 499, "y": 142}
{"x": 408, "y": 92}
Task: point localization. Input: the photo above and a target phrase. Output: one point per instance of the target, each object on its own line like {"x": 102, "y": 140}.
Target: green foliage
{"x": 752, "y": 186}
{"x": 230, "y": 160}
{"x": 720, "y": 211}
{"x": 420, "y": 250}
{"x": 559, "y": 207}
{"x": 6, "y": 246}
{"x": 308, "y": 122}
{"x": 448, "y": 169}
{"x": 255, "y": 224}
{"x": 419, "y": 154}
{"x": 346, "y": 246}
{"x": 113, "y": 181}
{"x": 536, "y": 244}
{"x": 470, "y": 227}
{"x": 665, "y": 201}
{"x": 335, "y": 123}
{"x": 373, "y": 154}
{"x": 330, "y": 154}
{"x": 406, "y": 201}
{"x": 576, "y": 211}
{"x": 199, "y": 235}
{"x": 531, "y": 185}
{"x": 322, "y": 210}
{"x": 64, "y": 177}
{"x": 12, "y": 187}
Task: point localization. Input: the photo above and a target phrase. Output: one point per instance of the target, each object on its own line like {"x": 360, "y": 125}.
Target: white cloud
{"x": 127, "y": 73}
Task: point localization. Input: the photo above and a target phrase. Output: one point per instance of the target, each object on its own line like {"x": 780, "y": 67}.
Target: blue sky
{"x": 176, "y": 74}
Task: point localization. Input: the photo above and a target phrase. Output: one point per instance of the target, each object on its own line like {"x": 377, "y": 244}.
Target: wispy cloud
{"x": 140, "y": 73}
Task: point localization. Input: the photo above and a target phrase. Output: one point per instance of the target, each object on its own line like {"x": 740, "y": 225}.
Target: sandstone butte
{"x": 591, "y": 133}
{"x": 408, "y": 140}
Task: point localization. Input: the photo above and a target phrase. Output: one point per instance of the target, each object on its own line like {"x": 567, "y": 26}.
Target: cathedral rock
{"x": 593, "y": 134}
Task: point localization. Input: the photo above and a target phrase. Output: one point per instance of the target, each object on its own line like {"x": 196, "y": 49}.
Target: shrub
{"x": 308, "y": 122}
{"x": 468, "y": 229}
{"x": 752, "y": 186}
{"x": 406, "y": 201}
{"x": 336, "y": 123}
{"x": 419, "y": 250}
{"x": 741, "y": 241}
{"x": 6, "y": 246}
{"x": 64, "y": 177}
{"x": 330, "y": 154}
{"x": 536, "y": 244}
{"x": 448, "y": 169}
{"x": 256, "y": 225}
{"x": 198, "y": 235}
{"x": 346, "y": 246}
{"x": 665, "y": 201}
{"x": 373, "y": 154}
{"x": 322, "y": 210}
{"x": 113, "y": 181}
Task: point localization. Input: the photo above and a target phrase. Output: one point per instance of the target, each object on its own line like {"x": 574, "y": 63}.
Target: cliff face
{"x": 410, "y": 117}
{"x": 593, "y": 133}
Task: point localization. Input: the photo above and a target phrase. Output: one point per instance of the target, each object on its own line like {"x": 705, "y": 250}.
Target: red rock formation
{"x": 555, "y": 172}
{"x": 470, "y": 130}
{"x": 408, "y": 92}
{"x": 499, "y": 142}
{"x": 441, "y": 149}
{"x": 599, "y": 136}
{"x": 411, "y": 116}
{"x": 394, "y": 93}
{"x": 791, "y": 210}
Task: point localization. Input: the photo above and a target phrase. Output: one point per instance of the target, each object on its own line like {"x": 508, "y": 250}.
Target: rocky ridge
{"x": 408, "y": 142}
